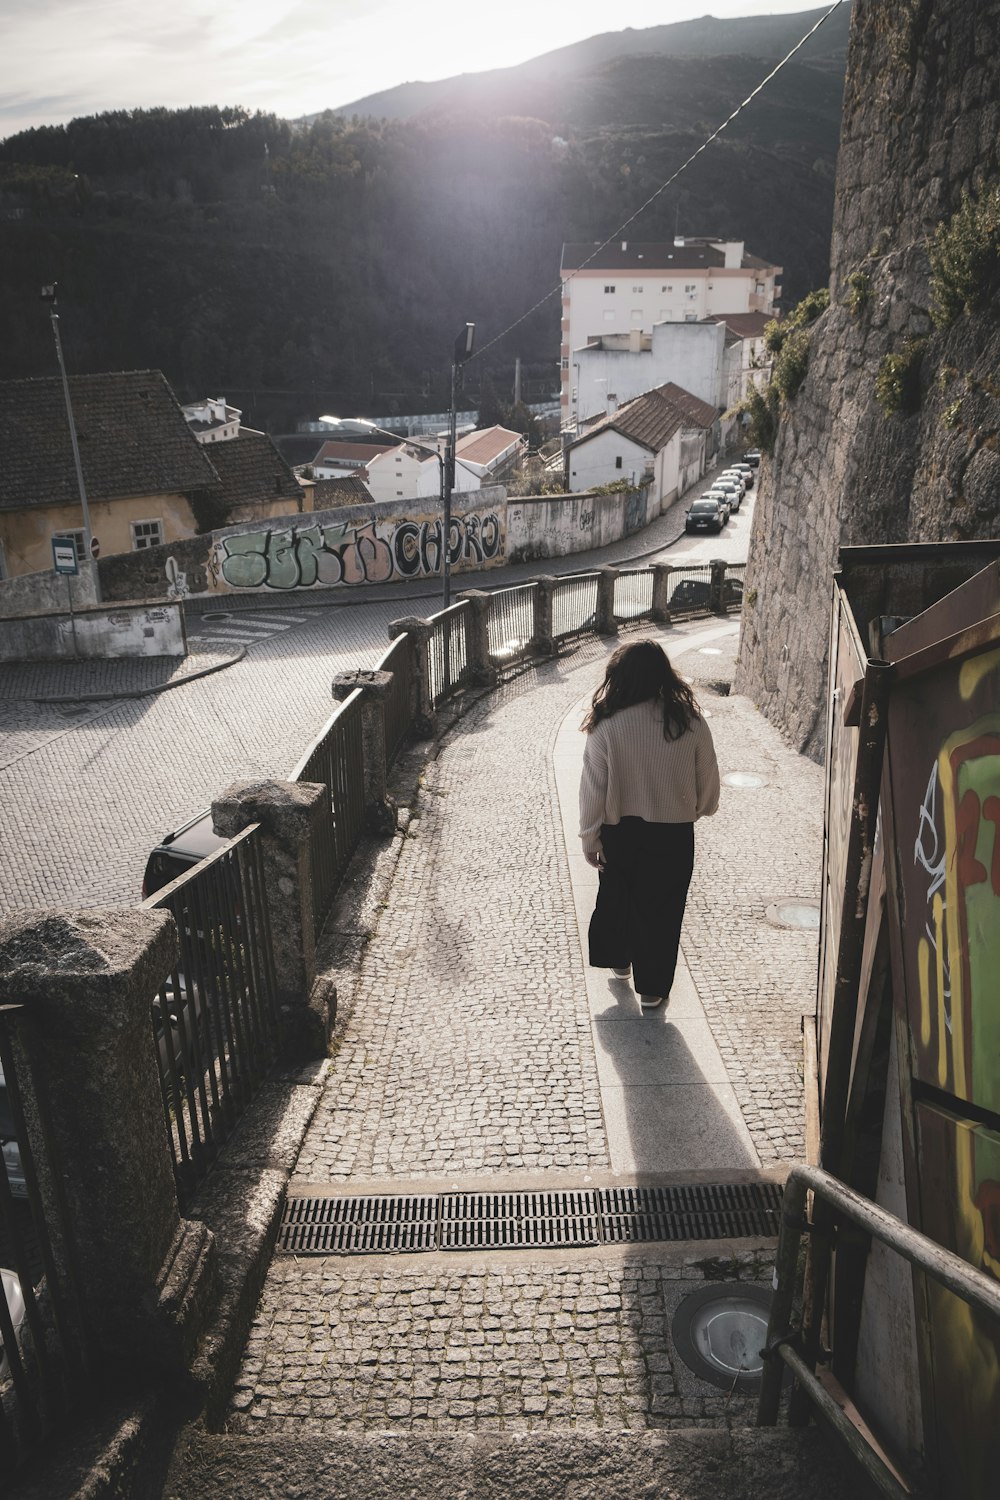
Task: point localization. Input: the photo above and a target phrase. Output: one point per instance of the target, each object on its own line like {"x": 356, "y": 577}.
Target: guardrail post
{"x": 380, "y": 809}
{"x": 543, "y": 640}
{"x": 86, "y": 1072}
{"x": 605, "y": 622}
{"x": 420, "y": 631}
{"x": 661, "y": 592}
{"x": 477, "y": 637}
{"x": 287, "y": 812}
{"x": 716, "y": 587}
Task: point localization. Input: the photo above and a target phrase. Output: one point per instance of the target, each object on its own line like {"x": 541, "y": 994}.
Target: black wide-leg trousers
{"x": 640, "y": 900}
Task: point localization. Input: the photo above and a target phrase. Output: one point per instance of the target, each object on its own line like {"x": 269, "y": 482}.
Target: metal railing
{"x": 335, "y": 759}
{"x": 944, "y": 1266}
{"x": 633, "y": 594}
{"x": 43, "y": 1364}
{"x": 215, "y": 1019}
{"x": 398, "y": 660}
{"x": 510, "y": 623}
{"x": 690, "y": 588}
{"x": 574, "y": 605}
{"x": 449, "y": 667}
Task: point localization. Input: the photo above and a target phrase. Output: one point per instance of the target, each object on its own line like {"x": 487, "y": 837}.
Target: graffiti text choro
{"x": 344, "y": 553}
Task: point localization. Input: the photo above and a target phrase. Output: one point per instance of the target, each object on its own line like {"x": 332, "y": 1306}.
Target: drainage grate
{"x": 473, "y": 1221}
{"x": 536, "y": 1220}
{"x": 359, "y": 1226}
{"x": 721, "y": 1211}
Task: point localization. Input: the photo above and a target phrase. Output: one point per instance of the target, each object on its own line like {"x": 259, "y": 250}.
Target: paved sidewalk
{"x": 478, "y": 1052}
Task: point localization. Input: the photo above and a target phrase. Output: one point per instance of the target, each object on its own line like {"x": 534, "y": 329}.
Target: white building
{"x": 484, "y": 456}
{"x": 747, "y": 356}
{"x": 341, "y": 460}
{"x": 212, "y": 420}
{"x": 631, "y": 286}
{"x": 617, "y": 367}
{"x": 662, "y": 438}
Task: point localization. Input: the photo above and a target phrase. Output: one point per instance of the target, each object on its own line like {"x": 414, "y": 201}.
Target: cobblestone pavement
{"x": 466, "y": 1052}
{"x": 112, "y": 678}
{"x": 88, "y": 789}
{"x": 489, "y": 1345}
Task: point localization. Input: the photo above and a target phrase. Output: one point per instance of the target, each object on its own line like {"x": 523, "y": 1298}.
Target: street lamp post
{"x": 49, "y": 295}
{"x": 462, "y": 351}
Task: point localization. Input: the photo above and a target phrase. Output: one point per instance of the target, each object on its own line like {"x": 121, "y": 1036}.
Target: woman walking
{"x": 649, "y": 772}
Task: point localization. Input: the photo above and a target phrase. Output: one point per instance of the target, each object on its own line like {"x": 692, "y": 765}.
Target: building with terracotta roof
{"x": 494, "y": 453}
{"x": 338, "y": 460}
{"x": 662, "y": 438}
{"x": 149, "y": 480}
{"x": 630, "y": 286}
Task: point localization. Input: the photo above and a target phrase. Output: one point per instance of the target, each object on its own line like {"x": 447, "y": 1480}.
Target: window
{"x": 638, "y": 289}
{"x": 637, "y": 317}
{"x": 564, "y": 362}
{"x": 692, "y": 287}
{"x": 690, "y": 317}
{"x": 77, "y": 537}
{"x": 146, "y": 534}
{"x": 666, "y": 288}
{"x": 608, "y": 290}
{"x": 618, "y": 462}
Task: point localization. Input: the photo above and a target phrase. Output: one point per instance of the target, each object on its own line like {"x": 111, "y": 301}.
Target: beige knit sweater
{"x": 631, "y": 770}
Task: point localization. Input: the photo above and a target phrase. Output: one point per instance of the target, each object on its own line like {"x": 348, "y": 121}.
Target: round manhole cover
{"x": 223, "y": 615}
{"x": 710, "y": 651}
{"x": 719, "y": 1332}
{"x": 743, "y": 779}
{"x": 804, "y": 914}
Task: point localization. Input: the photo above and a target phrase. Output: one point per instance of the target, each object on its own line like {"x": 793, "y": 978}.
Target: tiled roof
{"x": 694, "y": 411}
{"x": 638, "y": 256}
{"x": 743, "y": 325}
{"x": 252, "y": 471}
{"x": 754, "y": 263}
{"x": 482, "y": 446}
{"x": 355, "y": 452}
{"x": 348, "y": 490}
{"x": 132, "y": 435}
{"x": 652, "y": 418}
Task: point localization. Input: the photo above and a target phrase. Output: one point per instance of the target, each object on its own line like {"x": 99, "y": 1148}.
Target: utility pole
{"x": 462, "y": 351}
{"x": 49, "y": 296}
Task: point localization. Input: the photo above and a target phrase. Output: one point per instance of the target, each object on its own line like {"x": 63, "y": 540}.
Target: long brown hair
{"x": 638, "y": 673}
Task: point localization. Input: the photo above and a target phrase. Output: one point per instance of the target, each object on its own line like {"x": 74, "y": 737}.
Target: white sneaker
{"x": 622, "y": 973}
{"x": 650, "y": 1002}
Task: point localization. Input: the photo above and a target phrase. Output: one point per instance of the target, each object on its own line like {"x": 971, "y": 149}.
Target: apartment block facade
{"x": 631, "y": 286}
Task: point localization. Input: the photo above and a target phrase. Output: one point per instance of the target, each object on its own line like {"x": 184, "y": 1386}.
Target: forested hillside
{"x": 327, "y": 265}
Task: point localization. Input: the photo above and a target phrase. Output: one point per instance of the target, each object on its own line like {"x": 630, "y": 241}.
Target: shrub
{"x": 860, "y": 292}
{"x": 788, "y": 341}
{"x": 965, "y": 258}
{"x": 897, "y": 384}
{"x": 791, "y": 364}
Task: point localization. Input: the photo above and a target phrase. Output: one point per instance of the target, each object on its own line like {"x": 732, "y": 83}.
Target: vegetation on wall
{"x": 964, "y": 254}
{"x": 897, "y": 383}
{"x": 788, "y": 340}
{"x": 859, "y": 292}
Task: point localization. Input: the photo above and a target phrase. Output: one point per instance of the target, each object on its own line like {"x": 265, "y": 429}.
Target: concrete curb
{"x": 150, "y": 692}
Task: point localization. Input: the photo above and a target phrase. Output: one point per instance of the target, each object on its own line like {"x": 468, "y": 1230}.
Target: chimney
{"x": 624, "y": 245}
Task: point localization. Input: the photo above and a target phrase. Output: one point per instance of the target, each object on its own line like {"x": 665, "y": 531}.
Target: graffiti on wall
{"x": 376, "y": 551}
{"x": 945, "y": 765}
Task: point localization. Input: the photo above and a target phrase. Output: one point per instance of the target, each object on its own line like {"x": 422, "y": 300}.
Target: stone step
{"x": 683, "y": 1464}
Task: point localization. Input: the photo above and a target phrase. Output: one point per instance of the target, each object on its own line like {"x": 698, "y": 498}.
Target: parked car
{"x": 752, "y": 457}
{"x": 11, "y": 1150}
{"x": 747, "y": 473}
{"x": 737, "y": 477}
{"x": 737, "y": 480}
{"x": 725, "y": 489}
{"x": 176, "y": 852}
{"x": 705, "y": 514}
{"x": 696, "y": 593}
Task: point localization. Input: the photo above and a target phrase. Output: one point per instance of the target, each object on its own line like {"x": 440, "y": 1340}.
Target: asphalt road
{"x": 88, "y": 789}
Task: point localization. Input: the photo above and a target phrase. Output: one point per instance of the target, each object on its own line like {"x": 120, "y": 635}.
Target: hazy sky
{"x": 62, "y": 58}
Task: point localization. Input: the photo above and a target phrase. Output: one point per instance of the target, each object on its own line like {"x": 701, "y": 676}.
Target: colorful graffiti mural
{"x": 300, "y": 557}
{"x": 944, "y": 746}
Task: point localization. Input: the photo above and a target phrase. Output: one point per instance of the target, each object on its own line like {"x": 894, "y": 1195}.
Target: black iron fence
{"x": 448, "y": 665}
{"x": 510, "y": 623}
{"x": 398, "y": 660}
{"x": 574, "y": 605}
{"x": 215, "y": 1021}
{"x": 43, "y": 1363}
{"x": 633, "y": 597}
{"x": 335, "y": 759}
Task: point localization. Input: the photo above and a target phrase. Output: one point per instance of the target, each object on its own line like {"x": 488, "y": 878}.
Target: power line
{"x": 616, "y": 234}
